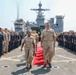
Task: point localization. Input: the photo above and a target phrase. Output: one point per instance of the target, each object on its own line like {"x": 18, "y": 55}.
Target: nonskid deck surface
{"x": 63, "y": 63}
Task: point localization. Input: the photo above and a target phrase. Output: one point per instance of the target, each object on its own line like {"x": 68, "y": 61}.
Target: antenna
{"x": 17, "y": 10}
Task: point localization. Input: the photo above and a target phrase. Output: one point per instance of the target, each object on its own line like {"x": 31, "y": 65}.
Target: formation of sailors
{"x": 67, "y": 40}
{"x": 9, "y": 40}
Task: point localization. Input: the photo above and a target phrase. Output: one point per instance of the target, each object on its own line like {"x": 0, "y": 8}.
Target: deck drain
{"x": 55, "y": 67}
{"x": 6, "y": 66}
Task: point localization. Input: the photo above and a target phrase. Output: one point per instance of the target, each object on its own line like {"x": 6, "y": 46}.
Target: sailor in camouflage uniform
{"x": 48, "y": 37}
{"x": 29, "y": 47}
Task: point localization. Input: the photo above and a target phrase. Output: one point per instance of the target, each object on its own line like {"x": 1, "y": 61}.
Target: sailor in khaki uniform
{"x": 48, "y": 37}
{"x": 35, "y": 35}
{"x": 28, "y": 41}
{"x": 7, "y": 39}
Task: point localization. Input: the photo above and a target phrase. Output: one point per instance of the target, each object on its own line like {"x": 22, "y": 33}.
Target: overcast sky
{"x": 8, "y": 11}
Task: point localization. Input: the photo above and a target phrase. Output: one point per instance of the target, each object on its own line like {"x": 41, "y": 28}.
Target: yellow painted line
{"x": 13, "y": 59}
{"x": 66, "y": 57}
{"x": 9, "y": 59}
{"x": 16, "y": 56}
{"x": 52, "y": 61}
{"x": 12, "y": 56}
{"x": 63, "y": 60}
